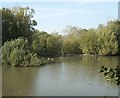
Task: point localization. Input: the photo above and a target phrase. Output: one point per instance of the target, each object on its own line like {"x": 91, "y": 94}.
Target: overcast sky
{"x": 55, "y": 16}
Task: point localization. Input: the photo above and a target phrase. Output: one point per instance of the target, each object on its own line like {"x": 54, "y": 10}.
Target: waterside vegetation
{"x": 23, "y": 45}
{"x": 111, "y": 74}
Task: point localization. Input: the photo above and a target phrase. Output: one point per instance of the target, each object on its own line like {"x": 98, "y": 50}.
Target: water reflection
{"x": 74, "y": 76}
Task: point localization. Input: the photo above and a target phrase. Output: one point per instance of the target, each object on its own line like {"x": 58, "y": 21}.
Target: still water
{"x": 70, "y": 76}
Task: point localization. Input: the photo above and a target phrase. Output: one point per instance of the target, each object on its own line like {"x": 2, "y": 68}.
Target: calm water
{"x": 74, "y": 76}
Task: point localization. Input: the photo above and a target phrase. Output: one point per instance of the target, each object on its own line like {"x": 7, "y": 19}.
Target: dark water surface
{"x": 73, "y": 76}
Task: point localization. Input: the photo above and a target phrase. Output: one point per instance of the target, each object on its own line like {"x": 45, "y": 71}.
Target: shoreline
{"x": 81, "y": 55}
{"x": 48, "y": 59}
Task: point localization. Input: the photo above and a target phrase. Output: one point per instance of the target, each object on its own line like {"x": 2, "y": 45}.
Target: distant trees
{"x": 46, "y": 44}
{"x": 89, "y": 42}
{"x": 71, "y": 45}
{"x": 107, "y": 41}
{"x": 54, "y": 44}
{"x": 22, "y": 43}
{"x": 71, "y": 42}
{"x": 39, "y": 43}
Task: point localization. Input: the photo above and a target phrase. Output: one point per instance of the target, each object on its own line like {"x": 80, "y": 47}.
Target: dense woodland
{"x": 23, "y": 45}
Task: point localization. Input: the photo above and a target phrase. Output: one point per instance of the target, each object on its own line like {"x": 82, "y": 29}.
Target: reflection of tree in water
{"x": 109, "y": 61}
{"x": 18, "y": 81}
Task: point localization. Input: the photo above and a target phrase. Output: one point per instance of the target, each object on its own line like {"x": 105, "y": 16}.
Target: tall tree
{"x": 16, "y": 22}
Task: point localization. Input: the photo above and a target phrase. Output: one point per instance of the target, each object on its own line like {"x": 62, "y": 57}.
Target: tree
{"x": 107, "y": 41}
{"x": 88, "y": 42}
{"x": 54, "y": 44}
{"x": 39, "y": 43}
{"x": 16, "y": 22}
{"x": 71, "y": 45}
{"x": 114, "y": 26}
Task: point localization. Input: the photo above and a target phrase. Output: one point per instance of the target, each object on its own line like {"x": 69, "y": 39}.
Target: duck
{"x": 48, "y": 58}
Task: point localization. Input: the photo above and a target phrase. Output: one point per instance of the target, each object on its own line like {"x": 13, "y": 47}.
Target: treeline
{"x": 22, "y": 44}
{"x": 105, "y": 40}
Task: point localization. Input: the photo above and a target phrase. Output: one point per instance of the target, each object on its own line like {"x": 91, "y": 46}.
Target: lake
{"x": 70, "y": 76}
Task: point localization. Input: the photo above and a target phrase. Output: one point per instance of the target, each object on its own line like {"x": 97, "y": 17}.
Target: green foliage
{"x": 16, "y": 53}
{"x": 31, "y": 59}
{"x": 107, "y": 41}
{"x": 71, "y": 45}
{"x": 17, "y": 22}
{"x": 89, "y": 43}
{"x": 46, "y": 44}
{"x": 13, "y": 46}
{"x": 111, "y": 74}
{"x": 53, "y": 44}
{"x": 39, "y": 43}
{"x": 16, "y": 57}
{"x": 115, "y": 27}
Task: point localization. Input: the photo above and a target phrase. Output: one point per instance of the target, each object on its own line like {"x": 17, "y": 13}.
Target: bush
{"x": 111, "y": 74}
{"x": 16, "y": 53}
{"x": 13, "y": 49}
{"x": 16, "y": 57}
{"x": 31, "y": 59}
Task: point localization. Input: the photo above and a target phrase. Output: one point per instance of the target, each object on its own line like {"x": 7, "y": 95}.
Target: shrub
{"x": 12, "y": 49}
{"x": 31, "y": 59}
{"x": 16, "y": 53}
{"x": 16, "y": 57}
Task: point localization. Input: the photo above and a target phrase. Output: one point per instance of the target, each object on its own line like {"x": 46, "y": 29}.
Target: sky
{"x": 55, "y": 16}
